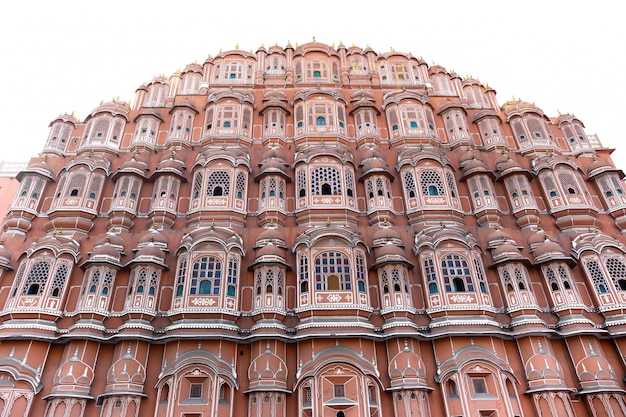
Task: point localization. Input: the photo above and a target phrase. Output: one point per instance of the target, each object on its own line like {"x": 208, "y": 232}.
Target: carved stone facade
{"x": 315, "y": 231}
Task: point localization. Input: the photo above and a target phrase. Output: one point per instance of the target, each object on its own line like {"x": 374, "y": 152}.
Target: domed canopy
{"x": 39, "y": 168}
{"x": 270, "y": 235}
{"x": 134, "y": 165}
{"x": 375, "y": 165}
{"x": 270, "y": 250}
{"x": 153, "y": 238}
{"x": 386, "y": 234}
{"x": 600, "y": 165}
{"x": 268, "y": 370}
{"x": 171, "y": 165}
{"x": 548, "y": 250}
{"x": 390, "y": 253}
{"x": 126, "y": 375}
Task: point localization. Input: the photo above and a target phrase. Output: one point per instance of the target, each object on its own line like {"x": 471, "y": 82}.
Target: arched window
{"x": 218, "y": 184}
{"x": 37, "y": 278}
{"x": 431, "y": 276}
{"x": 320, "y": 121}
{"x": 332, "y": 272}
{"x": 456, "y": 274}
{"x": 431, "y": 183}
{"x": 617, "y": 271}
{"x": 303, "y": 274}
{"x": 206, "y": 276}
{"x": 326, "y": 181}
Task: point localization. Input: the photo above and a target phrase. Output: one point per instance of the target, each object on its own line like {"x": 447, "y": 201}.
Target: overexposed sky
{"x": 58, "y": 57}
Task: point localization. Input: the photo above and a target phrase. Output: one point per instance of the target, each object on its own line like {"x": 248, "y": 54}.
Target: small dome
{"x": 73, "y": 376}
{"x": 407, "y": 368}
{"x": 270, "y": 250}
{"x": 497, "y": 237}
{"x": 375, "y": 164}
{"x": 126, "y": 374}
{"x": 473, "y": 166}
{"x": 150, "y": 253}
{"x": 506, "y": 251}
{"x": 536, "y": 238}
{"x": 105, "y": 252}
{"x": 466, "y": 157}
{"x": 112, "y": 239}
{"x": 197, "y": 68}
{"x": 518, "y": 107}
{"x": 549, "y": 251}
{"x": 268, "y": 370}
{"x": 388, "y": 250}
{"x": 599, "y": 165}
{"x": 544, "y": 366}
{"x": 171, "y": 165}
{"x": 39, "y": 168}
{"x": 154, "y": 237}
{"x": 113, "y": 107}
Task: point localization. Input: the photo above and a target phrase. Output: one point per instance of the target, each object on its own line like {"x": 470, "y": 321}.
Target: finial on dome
{"x": 314, "y": 39}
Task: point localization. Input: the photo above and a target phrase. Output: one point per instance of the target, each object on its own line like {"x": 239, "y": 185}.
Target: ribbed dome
{"x": 466, "y": 157}
{"x": 126, "y": 374}
{"x": 536, "y": 239}
{"x": 111, "y": 239}
{"x": 599, "y": 165}
{"x": 506, "y": 250}
{"x": 114, "y": 107}
{"x": 268, "y": 370}
{"x": 519, "y": 107}
{"x": 148, "y": 252}
{"x": 134, "y": 165}
{"x": 106, "y": 251}
{"x": 154, "y": 236}
{"x": 549, "y": 251}
{"x": 273, "y": 161}
{"x": 497, "y": 237}
{"x": 544, "y": 366}
{"x": 388, "y": 250}
{"x": 474, "y": 165}
{"x": 511, "y": 164}
{"x": 171, "y": 164}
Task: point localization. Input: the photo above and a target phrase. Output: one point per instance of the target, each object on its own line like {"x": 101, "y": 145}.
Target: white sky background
{"x": 58, "y": 57}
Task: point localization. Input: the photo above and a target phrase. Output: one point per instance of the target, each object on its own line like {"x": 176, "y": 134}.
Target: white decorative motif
{"x": 216, "y": 201}
{"x": 464, "y": 298}
{"x": 334, "y": 298}
{"x": 435, "y": 200}
{"x": 203, "y": 301}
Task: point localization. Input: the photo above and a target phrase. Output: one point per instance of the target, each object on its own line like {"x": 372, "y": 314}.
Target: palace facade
{"x": 315, "y": 231}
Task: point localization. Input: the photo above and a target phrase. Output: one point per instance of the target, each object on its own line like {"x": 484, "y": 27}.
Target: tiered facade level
{"x": 315, "y": 231}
